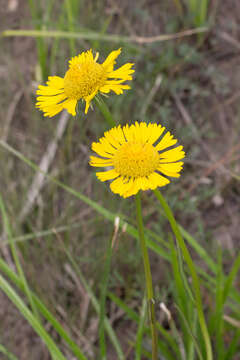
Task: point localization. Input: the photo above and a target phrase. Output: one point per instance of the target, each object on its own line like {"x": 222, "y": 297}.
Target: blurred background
{"x": 187, "y": 75}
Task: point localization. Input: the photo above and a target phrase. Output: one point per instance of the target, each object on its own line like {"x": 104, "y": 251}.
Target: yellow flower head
{"x": 83, "y": 80}
{"x": 137, "y": 159}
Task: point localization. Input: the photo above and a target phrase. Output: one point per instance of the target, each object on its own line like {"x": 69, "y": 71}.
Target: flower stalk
{"x": 192, "y": 270}
{"x": 148, "y": 276}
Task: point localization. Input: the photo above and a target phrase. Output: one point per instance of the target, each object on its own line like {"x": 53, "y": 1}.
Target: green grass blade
{"x": 180, "y": 286}
{"x": 15, "y": 256}
{"x": 43, "y": 310}
{"x": 69, "y": 10}
{"x": 202, "y": 17}
{"x": 104, "y": 285}
{"x": 219, "y": 308}
{"x": 84, "y": 35}
{"x": 192, "y": 336}
{"x": 199, "y": 249}
{"x": 41, "y": 46}
{"x": 179, "y": 282}
{"x": 9, "y": 355}
{"x": 135, "y": 317}
{"x": 192, "y": 270}
{"x": 91, "y": 35}
{"x": 231, "y": 277}
{"x": 96, "y": 306}
{"x": 140, "y": 330}
{"x": 233, "y": 348}
{"x": 33, "y": 321}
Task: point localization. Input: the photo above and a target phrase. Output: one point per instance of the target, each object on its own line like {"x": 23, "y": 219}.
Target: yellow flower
{"x": 136, "y": 157}
{"x": 83, "y": 80}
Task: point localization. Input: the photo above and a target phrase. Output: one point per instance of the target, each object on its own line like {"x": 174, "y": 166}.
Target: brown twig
{"x": 215, "y": 165}
{"x": 45, "y": 163}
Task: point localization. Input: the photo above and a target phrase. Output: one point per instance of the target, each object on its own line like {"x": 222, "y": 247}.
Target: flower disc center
{"x": 81, "y": 80}
{"x": 135, "y": 159}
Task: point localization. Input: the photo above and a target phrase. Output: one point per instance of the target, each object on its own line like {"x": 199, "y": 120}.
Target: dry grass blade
{"x": 45, "y": 163}
{"x": 89, "y": 35}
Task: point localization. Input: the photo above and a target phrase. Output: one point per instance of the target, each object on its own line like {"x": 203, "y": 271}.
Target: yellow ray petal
{"x": 166, "y": 142}
{"x": 156, "y": 180}
{"x": 117, "y": 134}
{"x": 130, "y": 131}
{"x": 50, "y": 110}
{"x": 48, "y": 100}
{"x": 123, "y": 186}
{"x": 55, "y": 82}
{"x": 89, "y": 99}
{"x": 155, "y": 131}
{"x": 96, "y": 56}
{"x": 102, "y": 149}
{"x": 47, "y": 90}
{"x": 100, "y": 162}
{"x": 110, "y": 60}
{"x": 132, "y": 189}
{"x": 70, "y": 106}
{"x": 142, "y": 183}
{"x": 115, "y": 139}
{"x": 117, "y": 88}
{"x": 171, "y": 169}
{"x": 172, "y": 155}
{"x": 123, "y": 72}
{"x": 81, "y": 58}
{"x": 107, "y": 175}
{"x": 107, "y": 146}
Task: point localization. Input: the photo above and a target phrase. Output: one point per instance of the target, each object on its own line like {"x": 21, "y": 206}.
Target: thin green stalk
{"x": 191, "y": 266}
{"x": 181, "y": 293}
{"x": 169, "y": 341}
{"x": 41, "y": 46}
{"x": 105, "y": 111}
{"x": 140, "y": 330}
{"x": 148, "y": 277}
{"x": 69, "y": 10}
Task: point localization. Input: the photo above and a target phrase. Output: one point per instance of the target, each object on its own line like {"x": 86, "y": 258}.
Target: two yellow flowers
{"x": 136, "y": 157}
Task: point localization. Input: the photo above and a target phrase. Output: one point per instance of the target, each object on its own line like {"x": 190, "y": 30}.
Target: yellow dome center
{"x": 81, "y": 80}
{"x": 135, "y": 159}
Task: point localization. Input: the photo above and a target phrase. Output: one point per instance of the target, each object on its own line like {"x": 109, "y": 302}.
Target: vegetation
{"x": 71, "y": 269}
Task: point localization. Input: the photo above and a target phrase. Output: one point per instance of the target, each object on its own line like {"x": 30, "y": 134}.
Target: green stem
{"x": 148, "y": 277}
{"x": 195, "y": 279}
{"x": 105, "y": 111}
{"x": 69, "y": 10}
